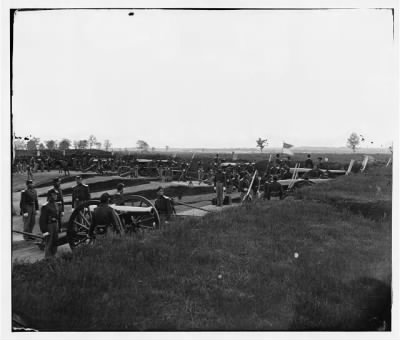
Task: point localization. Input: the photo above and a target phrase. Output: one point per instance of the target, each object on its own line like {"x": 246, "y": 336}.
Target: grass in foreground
{"x": 231, "y": 271}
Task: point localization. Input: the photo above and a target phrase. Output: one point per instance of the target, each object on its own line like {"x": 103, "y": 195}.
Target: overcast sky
{"x": 205, "y": 78}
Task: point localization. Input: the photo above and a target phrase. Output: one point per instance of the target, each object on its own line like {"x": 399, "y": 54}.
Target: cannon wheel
{"x": 79, "y": 224}
{"x": 143, "y": 222}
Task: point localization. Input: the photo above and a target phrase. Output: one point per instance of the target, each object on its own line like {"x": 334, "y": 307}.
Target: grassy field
{"x": 278, "y": 265}
{"x": 368, "y": 193}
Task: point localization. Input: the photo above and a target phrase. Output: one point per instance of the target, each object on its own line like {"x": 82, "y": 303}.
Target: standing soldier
{"x": 29, "y": 205}
{"x": 48, "y": 221}
{"x": 229, "y": 186}
{"x": 274, "y": 189}
{"x": 29, "y": 172}
{"x": 200, "y": 172}
{"x": 164, "y": 206}
{"x": 65, "y": 166}
{"x": 136, "y": 170}
{"x": 59, "y": 200}
{"x": 309, "y": 163}
{"x": 80, "y": 193}
{"x": 219, "y": 184}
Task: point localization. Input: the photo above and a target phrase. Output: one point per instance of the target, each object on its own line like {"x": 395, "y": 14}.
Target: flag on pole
{"x": 286, "y": 149}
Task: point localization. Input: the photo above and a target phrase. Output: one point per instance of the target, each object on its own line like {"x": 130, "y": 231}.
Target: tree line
{"x": 34, "y": 143}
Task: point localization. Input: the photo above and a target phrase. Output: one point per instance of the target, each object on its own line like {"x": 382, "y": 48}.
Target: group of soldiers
{"x": 51, "y": 213}
{"x": 225, "y": 181}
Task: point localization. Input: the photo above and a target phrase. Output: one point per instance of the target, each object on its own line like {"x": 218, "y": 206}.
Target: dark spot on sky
{"x": 131, "y": 14}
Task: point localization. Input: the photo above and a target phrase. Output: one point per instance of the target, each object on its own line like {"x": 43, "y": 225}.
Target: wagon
{"x": 137, "y": 213}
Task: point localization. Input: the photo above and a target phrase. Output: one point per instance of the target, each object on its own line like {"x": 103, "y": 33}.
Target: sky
{"x": 209, "y": 79}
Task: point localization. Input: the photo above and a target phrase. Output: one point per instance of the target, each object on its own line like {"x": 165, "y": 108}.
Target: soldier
{"x": 274, "y": 189}
{"x": 164, "y": 206}
{"x": 119, "y": 198}
{"x": 80, "y": 193}
{"x": 229, "y": 186}
{"x": 219, "y": 184}
{"x": 308, "y": 163}
{"x": 104, "y": 217}
{"x": 314, "y": 173}
{"x": 29, "y": 172}
{"x": 65, "y": 166}
{"x": 49, "y": 223}
{"x": 59, "y": 199}
{"x": 29, "y": 205}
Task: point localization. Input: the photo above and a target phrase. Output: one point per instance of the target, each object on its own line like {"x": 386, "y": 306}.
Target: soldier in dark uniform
{"x": 65, "y": 166}
{"x": 29, "y": 205}
{"x": 119, "y": 198}
{"x": 219, "y": 184}
{"x": 104, "y": 217}
{"x": 164, "y": 206}
{"x": 80, "y": 193}
{"x": 229, "y": 186}
{"x": 59, "y": 199}
{"x": 308, "y": 163}
{"x": 313, "y": 173}
{"x": 267, "y": 182}
{"x": 48, "y": 221}
{"x": 274, "y": 189}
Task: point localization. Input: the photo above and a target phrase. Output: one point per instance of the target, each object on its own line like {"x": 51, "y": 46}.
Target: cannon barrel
{"x": 132, "y": 210}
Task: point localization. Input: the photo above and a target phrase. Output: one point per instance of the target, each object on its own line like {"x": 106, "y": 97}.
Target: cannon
{"x": 137, "y": 213}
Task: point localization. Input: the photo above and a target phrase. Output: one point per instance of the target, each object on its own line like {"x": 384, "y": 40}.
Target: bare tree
{"x": 98, "y": 145}
{"x": 92, "y": 141}
{"x": 261, "y": 143}
{"x": 353, "y": 141}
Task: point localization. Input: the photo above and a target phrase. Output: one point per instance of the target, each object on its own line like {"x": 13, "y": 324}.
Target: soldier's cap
{"x": 159, "y": 188}
{"x": 120, "y": 186}
{"x": 51, "y": 191}
{"x": 56, "y": 180}
{"x": 29, "y": 181}
{"x": 105, "y": 197}
{"x": 275, "y": 178}
{"x": 78, "y": 177}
